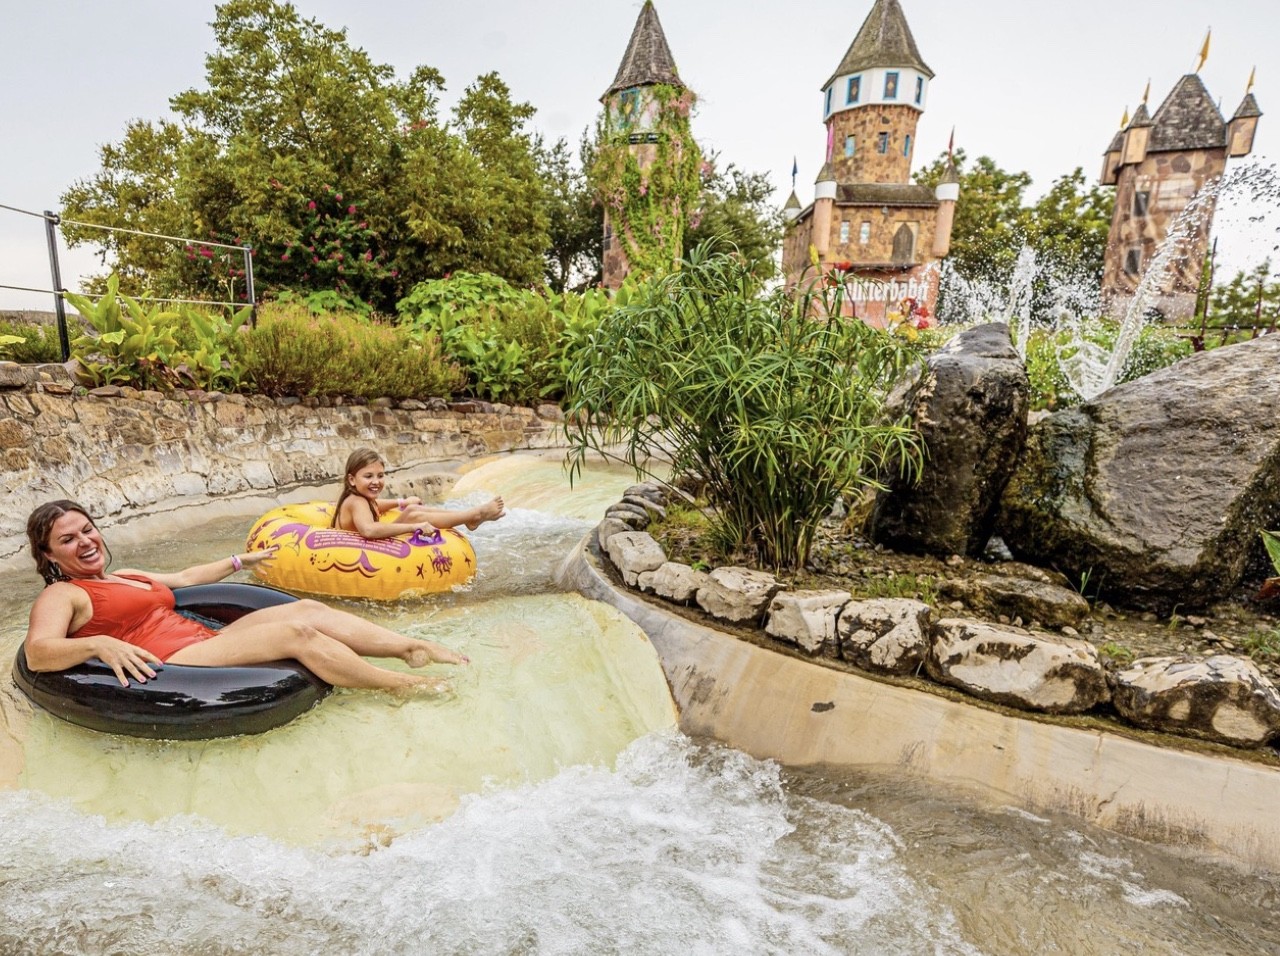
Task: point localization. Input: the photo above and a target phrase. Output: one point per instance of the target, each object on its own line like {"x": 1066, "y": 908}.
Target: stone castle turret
{"x": 867, "y": 217}
{"x": 638, "y": 120}
{"x": 1158, "y": 163}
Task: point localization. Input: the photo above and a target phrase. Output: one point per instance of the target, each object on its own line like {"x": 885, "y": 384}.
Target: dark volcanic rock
{"x": 1157, "y": 489}
{"x": 969, "y": 404}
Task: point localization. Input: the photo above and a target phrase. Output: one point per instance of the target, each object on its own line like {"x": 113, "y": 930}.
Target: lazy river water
{"x": 548, "y": 806}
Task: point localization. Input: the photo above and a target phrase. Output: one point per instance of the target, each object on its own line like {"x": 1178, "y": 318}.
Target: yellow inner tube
{"x": 314, "y": 558}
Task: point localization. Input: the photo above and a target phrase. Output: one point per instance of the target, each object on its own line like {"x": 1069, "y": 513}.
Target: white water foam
{"x": 681, "y": 849}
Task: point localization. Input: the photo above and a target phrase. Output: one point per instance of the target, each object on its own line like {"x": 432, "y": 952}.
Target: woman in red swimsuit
{"x": 126, "y": 619}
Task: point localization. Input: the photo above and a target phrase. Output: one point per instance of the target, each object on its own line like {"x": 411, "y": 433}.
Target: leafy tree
{"x": 575, "y": 219}
{"x": 1066, "y": 228}
{"x": 1249, "y": 302}
{"x": 991, "y": 221}
{"x": 1068, "y": 225}
{"x": 738, "y": 206}
{"x": 292, "y": 115}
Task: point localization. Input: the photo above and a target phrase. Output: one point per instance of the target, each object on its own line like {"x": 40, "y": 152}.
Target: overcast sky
{"x": 1039, "y": 85}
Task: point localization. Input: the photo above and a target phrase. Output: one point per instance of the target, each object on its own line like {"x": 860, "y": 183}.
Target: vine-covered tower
{"x": 867, "y": 218}
{"x": 1158, "y": 164}
{"x": 647, "y": 166}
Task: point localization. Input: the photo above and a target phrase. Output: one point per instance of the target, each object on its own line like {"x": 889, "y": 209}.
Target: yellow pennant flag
{"x": 1146, "y": 94}
{"x": 1204, "y": 50}
{"x": 1249, "y": 86}
{"x": 1124, "y": 120}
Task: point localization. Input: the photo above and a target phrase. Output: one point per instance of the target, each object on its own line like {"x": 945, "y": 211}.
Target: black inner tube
{"x": 183, "y": 702}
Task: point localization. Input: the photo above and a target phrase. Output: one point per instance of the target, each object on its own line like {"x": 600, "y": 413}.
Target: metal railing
{"x": 53, "y": 220}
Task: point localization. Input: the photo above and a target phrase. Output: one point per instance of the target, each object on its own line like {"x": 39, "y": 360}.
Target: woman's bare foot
{"x": 492, "y": 511}
{"x": 429, "y": 652}
{"x": 420, "y": 686}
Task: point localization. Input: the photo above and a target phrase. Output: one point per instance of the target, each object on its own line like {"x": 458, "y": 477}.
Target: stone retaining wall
{"x": 123, "y": 453}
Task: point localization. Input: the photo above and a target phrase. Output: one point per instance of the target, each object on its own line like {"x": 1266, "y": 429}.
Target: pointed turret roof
{"x": 1248, "y": 107}
{"x": 884, "y": 40}
{"x": 1140, "y": 117}
{"x": 793, "y": 201}
{"x": 648, "y": 60}
{"x": 1187, "y": 119}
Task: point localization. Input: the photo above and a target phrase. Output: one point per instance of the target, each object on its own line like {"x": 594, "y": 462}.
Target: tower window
{"x": 1141, "y": 201}
{"x": 864, "y": 233}
{"x": 906, "y": 145}
{"x": 844, "y": 231}
{"x": 882, "y": 143}
{"x": 855, "y": 89}
{"x": 827, "y": 108}
{"x": 1133, "y": 260}
{"x": 850, "y": 144}
{"x": 919, "y": 90}
{"x": 891, "y": 85}
{"x": 628, "y": 108}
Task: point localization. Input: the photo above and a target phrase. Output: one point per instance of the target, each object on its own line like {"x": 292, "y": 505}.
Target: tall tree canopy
{"x": 1066, "y": 228}
{"x": 340, "y": 175}
{"x": 738, "y": 206}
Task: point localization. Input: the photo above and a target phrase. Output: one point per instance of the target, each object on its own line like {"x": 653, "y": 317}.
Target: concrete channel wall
{"x": 779, "y": 707}
{"x": 133, "y": 456}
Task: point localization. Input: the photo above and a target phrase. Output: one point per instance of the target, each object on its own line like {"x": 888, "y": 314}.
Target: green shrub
{"x": 29, "y": 342}
{"x": 1157, "y": 346}
{"x": 772, "y": 401}
{"x": 293, "y": 352}
{"x": 156, "y": 346}
{"x": 514, "y": 345}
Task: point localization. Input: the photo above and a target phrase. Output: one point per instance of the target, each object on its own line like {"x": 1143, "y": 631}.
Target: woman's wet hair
{"x": 40, "y": 526}
{"x": 355, "y": 461}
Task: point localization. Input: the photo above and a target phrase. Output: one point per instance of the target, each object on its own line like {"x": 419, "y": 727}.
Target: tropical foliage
{"x": 512, "y": 345}
{"x": 156, "y": 346}
{"x": 772, "y": 403}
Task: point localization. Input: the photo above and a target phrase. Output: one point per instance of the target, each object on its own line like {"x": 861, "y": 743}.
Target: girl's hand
{"x": 126, "y": 659}
{"x": 411, "y": 500}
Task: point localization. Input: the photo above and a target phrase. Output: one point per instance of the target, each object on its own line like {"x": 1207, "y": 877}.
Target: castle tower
{"x": 645, "y": 129}
{"x": 867, "y": 217}
{"x": 1158, "y": 163}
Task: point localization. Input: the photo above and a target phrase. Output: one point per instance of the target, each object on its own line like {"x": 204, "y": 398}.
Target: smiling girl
{"x": 360, "y": 510}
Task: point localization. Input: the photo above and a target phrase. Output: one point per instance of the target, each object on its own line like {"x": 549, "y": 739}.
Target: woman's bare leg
{"x": 442, "y": 518}
{"x": 362, "y": 636}
{"x": 328, "y": 659}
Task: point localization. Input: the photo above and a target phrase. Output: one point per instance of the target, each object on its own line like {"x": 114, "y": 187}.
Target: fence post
{"x": 248, "y": 286}
{"x": 51, "y": 221}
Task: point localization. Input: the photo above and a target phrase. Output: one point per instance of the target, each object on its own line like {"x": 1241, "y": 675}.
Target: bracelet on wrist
{"x": 236, "y": 563}
{"x": 400, "y": 502}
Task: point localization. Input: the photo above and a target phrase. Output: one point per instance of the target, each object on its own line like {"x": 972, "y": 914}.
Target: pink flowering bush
{"x": 335, "y": 252}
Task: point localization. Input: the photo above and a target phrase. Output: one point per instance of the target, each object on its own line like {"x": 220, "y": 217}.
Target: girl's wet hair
{"x": 355, "y": 461}
{"x": 40, "y": 526}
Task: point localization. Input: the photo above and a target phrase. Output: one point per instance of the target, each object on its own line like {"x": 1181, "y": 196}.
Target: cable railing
{"x": 53, "y": 220}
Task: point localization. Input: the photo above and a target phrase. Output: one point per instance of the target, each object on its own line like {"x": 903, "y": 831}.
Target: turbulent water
{"x": 560, "y": 813}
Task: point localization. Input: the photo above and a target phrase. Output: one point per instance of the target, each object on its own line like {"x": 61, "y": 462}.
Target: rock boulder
{"x": 1155, "y": 491}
